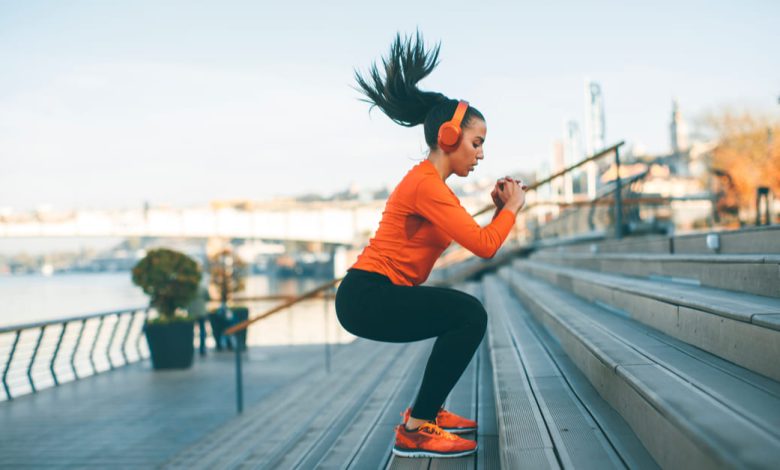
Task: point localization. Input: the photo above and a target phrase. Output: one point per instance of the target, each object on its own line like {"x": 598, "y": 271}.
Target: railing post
{"x": 762, "y": 193}
{"x": 239, "y": 384}
{"x": 56, "y": 351}
{"x": 327, "y": 343}
{"x": 143, "y": 328}
{"x": 111, "y": 342}
{"x": 76, "y": 349}
{"x": 94, "y": 343}
{"x": 8, "y": 365}
{"x": 32, "y": 359}
{"x": 127, "y": 336}
{"x": 618, "y": 197}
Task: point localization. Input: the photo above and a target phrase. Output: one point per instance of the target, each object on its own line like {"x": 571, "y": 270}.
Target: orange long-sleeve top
{"x": 422, "y": 217}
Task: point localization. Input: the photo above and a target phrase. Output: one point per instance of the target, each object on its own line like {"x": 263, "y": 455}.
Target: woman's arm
{"x": 440, "y": 206}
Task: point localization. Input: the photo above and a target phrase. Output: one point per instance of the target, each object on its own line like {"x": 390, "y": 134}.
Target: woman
{"x": 381, "y": 298}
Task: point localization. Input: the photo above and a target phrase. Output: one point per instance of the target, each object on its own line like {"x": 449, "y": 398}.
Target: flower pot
{"x": 171, "y": 344}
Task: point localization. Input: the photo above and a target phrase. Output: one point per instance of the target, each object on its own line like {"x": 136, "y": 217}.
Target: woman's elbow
{"x": 487, "y": 252}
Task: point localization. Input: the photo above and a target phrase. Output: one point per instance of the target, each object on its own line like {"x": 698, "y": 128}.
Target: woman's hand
{"x": 512, "y": 193}
{"x": 495, "y": 194}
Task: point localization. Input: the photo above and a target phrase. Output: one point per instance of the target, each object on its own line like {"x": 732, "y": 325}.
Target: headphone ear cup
{"x": 449, "y": 136}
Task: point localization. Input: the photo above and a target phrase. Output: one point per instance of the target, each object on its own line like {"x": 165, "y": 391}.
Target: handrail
{"x": 246, "y": 323}
{"x": 536, "y": 184}
{"x": 257, "y": 298}
{"x": 231, "y": 332}
{"x": 44, "y": 323}
{"x": 627, "y": 201}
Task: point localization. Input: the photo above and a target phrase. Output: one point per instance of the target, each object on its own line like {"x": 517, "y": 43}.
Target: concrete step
{"x": 278, "y": 422}
{"x": 360, "y": 434}
{"x": 754, "y": 274}
{"x": 742, "y": 328}
{"x": 344, "y": 419}
{"x": 750, "y": 240}
{"x": 539, "y": 389}
{"x": 687, "y": 411}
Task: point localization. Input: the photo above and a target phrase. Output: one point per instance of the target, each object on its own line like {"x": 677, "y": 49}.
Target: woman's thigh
{"x": 394, "y": 313}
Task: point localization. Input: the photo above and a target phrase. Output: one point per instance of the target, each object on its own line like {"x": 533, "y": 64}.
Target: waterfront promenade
{"x": 134, "y": 417}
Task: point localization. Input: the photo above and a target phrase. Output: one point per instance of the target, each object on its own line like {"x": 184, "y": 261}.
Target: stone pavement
{"x": 135, "y": 417}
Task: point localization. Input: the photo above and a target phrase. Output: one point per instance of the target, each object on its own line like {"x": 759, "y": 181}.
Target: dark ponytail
{"x": 397, "y": 94}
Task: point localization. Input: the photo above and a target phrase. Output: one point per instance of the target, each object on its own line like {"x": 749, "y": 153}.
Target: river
{"x": 35, "y": 297}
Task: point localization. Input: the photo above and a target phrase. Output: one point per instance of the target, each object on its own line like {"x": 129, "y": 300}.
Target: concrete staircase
{"x": 641, "y": 353}
{"x": 684, "y": 346}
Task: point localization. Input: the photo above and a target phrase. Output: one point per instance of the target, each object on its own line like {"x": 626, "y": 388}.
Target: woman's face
{"x": 465, "y": 158}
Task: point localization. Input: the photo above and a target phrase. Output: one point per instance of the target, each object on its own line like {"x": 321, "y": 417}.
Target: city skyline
{"x": 110, "y": 105}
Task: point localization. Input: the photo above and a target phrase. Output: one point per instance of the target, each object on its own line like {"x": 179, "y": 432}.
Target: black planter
{"x": 218, "y": 324}
{"x": 171, "y": 344}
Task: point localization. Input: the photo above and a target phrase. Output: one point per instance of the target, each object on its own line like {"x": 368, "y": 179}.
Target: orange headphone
{"x": 450, "y": 131}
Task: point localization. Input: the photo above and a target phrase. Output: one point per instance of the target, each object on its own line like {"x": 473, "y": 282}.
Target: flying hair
{"x": 397, "y": 94}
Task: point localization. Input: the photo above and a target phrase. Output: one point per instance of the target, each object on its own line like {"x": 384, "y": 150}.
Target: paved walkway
{"x": 135, "y": 417}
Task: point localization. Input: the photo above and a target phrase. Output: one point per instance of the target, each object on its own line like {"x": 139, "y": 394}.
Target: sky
{"x": 111, "y": 104}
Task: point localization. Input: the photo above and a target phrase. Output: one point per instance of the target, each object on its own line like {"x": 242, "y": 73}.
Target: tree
{"x": 747, "y": 155}
{"x": 169, "y": 278}
{"x": 227, "y": 272}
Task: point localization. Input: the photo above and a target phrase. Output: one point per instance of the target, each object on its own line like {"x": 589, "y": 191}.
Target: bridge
{"x": 340, "y": 222}
{"x": 332, "y": 222}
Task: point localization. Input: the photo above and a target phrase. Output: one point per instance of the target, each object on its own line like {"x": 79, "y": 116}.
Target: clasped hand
{"x": 509, "y": 192}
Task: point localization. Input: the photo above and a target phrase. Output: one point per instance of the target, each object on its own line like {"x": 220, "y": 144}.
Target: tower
{"x": 572, "y": 153}
{"x": 595, "y": 131}
{"x": 678, "y": 130}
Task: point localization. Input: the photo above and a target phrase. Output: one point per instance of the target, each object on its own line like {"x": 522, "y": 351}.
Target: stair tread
{"x": 735, "y": 305}
{"x": 703, "y": 258}
{"x": 579, "y": 440}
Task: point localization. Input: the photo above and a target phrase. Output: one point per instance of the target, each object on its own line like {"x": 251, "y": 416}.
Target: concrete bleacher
{"x": 690, "y": 364}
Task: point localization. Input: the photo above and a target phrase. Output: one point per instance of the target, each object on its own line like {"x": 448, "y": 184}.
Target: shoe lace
{"x": 436, "y": 430}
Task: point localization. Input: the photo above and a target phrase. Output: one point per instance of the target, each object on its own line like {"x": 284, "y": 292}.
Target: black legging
{"x": 370, "y": 306}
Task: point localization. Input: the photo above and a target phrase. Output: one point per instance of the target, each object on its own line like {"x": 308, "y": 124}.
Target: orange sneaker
{"x": 430, "y": 440}
{"x": 448, "y": 421}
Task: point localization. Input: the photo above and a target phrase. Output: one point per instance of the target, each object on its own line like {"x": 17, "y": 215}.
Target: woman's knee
{"x": 476, "y": 316}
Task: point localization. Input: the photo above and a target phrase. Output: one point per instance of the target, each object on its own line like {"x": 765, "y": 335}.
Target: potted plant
{"x": 170, "y": 279}
{"x": 227, "y": 274}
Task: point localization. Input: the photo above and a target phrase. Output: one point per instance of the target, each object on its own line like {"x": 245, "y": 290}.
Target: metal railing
{"x": 322, "y": 291}
{"x": 39, "y": 355}
{"x": 44, "y": 354}
{"x": 616, "y": 203}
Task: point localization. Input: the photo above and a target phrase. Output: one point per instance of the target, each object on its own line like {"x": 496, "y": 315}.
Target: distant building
{"x": 595, "y": 122}
{"x": 557, "y": 164}
{"x": 595, "y": 132}
{"x": 678, "y": 131}
{"x": 572, "y": 153}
